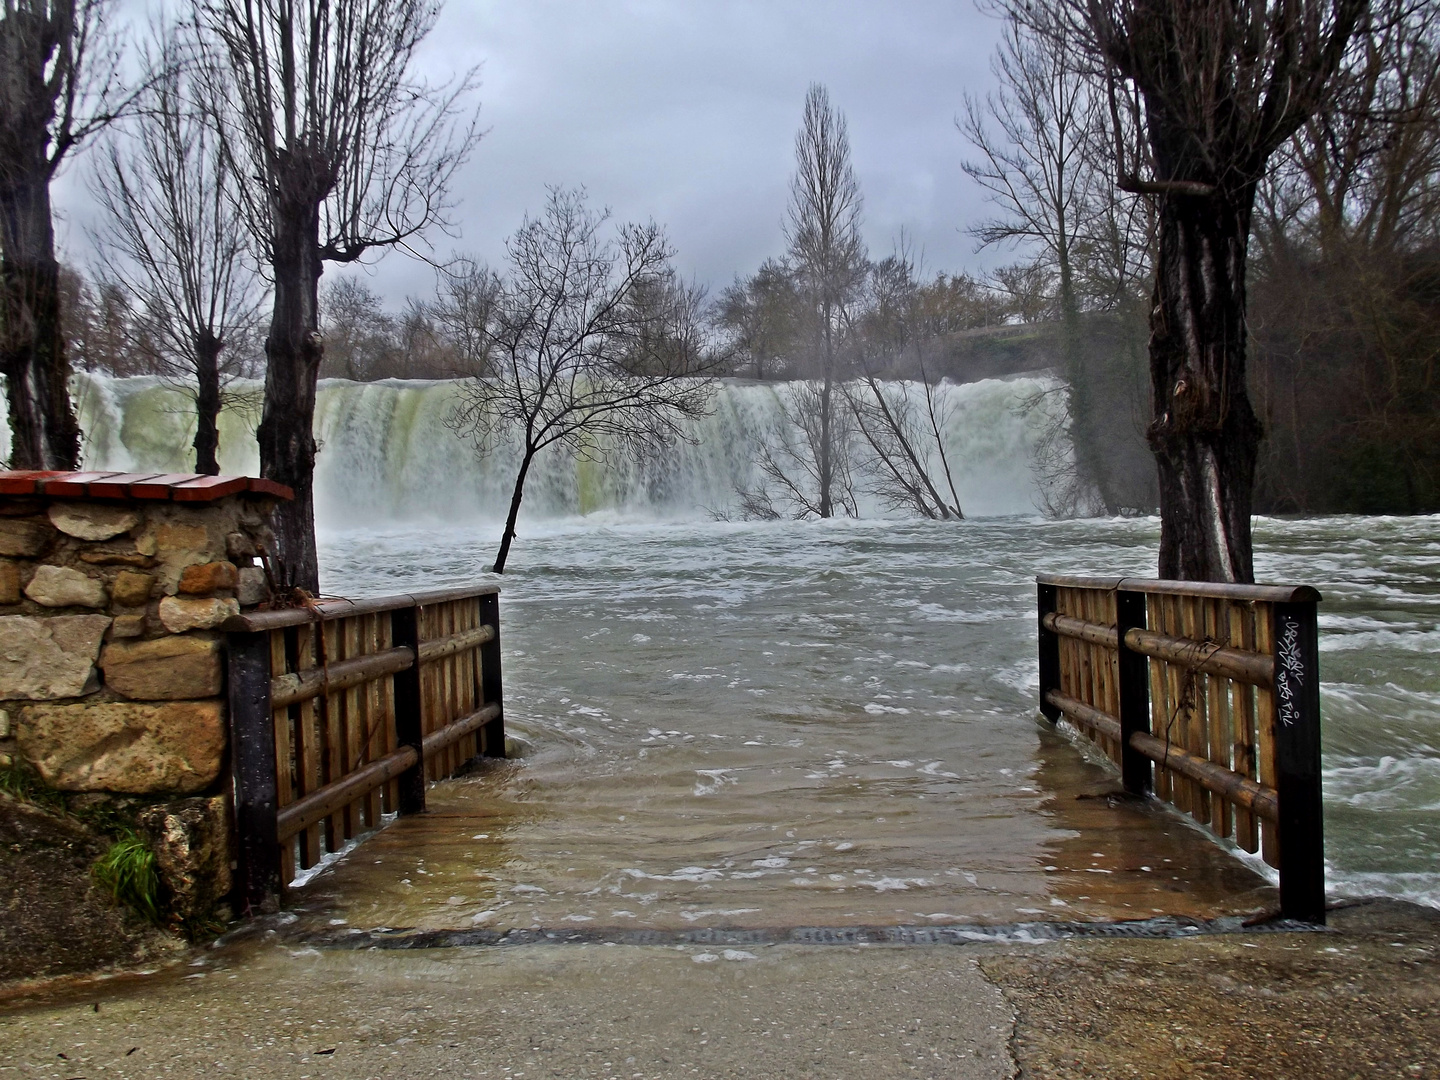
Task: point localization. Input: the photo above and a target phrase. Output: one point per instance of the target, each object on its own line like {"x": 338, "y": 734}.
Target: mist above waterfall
{"x": 387, "y": 457}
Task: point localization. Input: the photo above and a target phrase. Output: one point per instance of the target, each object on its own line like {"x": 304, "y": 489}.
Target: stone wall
{"x": 112, "y": 588}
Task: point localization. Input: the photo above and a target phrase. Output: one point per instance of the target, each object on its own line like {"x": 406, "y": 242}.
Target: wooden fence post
{"x": 252, "y": 757}
{"x": 409, "y": 729}
{"x": 1297, "y": 761}
{"x": 491, "y": 688}
{"x": 1049, "y": 652}
{"x": 1134, "y": 692}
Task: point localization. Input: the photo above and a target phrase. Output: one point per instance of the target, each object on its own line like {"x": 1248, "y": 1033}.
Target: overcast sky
{"x": 685, "y": 112}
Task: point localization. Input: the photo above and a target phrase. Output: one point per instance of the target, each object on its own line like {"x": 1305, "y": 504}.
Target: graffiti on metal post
{"x": 1289, "y": 672}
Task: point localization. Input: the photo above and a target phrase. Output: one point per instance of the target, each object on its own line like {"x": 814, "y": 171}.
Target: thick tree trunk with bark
{"x": 1205, "y": 434}
{"x": 207, "y": 403}
{"x": 44, "y": 433}
{"x": 293, "y": 349}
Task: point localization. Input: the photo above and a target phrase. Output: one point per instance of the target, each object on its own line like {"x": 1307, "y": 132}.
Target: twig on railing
{"x": 1187, "y": 695}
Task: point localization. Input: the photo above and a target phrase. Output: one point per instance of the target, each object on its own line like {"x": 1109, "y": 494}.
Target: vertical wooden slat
{"x": 309, "y": 745}
{"x": 1265, "y": 732}
{"x": 1217, "y": 715}
{"x": 1160, "y": 698}
{"x": 348, "y": 644}
{"x": 327, "y": 636}
{"x": 1197, "y": 735}
{"x": 1242, "y": 636}
{"x": 382, "y": 637}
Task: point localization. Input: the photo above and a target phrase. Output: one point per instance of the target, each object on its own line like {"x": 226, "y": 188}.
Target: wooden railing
{"x": 1206, "y": 696}
{"x": 342, "y": 710}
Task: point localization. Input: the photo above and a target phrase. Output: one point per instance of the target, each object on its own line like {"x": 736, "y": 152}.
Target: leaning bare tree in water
{"x": 173, "y": 238}
{"x": 585, "y": 345}
{"x": 58, "y": 86}
{"x": 346, "y": 151}
{"x": 1221, "y": 85}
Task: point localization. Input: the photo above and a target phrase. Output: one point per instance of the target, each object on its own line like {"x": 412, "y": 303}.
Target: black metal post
{"x": 1297, "y": 764}
{"x": 1135, "y": 767}
{"x": 252, "y": 756}
{"x": 409, "y": 731}
{"x": 492, "y": 740}
{"x": 1049, "y": 651}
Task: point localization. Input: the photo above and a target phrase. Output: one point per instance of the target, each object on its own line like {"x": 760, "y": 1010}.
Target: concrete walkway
{"x": 576, "y": 1011}
{"x": 1362, "y": 1000}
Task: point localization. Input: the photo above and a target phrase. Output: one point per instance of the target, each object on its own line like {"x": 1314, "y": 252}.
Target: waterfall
{"x": 387, "y": 456}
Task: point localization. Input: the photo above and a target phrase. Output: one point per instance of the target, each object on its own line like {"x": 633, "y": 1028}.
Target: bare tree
{"x": 571, "y": 357}
{"x": 1223, "y": 84}
{"x": 173, "y": 238}
{"x": 828, "y": 255}
{"x": 902, "y": 434}
{"x": 349, "y": 152}
{"x": 1032, "y": 135}
{"x": 58, "y": 87}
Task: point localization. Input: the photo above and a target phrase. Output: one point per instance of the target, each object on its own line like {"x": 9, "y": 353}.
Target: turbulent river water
{"x": 785, "y": 723}
{"x": 834, "y": 722}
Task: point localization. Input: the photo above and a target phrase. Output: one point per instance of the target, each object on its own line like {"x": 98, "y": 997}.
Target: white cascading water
{"x": 387, "y": 456}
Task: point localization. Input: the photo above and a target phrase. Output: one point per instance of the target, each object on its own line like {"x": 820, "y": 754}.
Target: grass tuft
{"x": 127, "y": 872}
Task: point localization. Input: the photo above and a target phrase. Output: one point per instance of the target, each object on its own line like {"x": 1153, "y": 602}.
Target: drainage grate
{"x": 1012, "y": 933}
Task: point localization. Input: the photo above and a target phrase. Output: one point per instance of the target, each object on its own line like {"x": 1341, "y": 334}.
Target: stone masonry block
{"x": 125, "y": 746}
{"x": 92, "y": 521}
{"x": 24, "y": 538}
{"x": 64, "y": 586}
{"x": 252, "y": 588}
{"x": 9, "y": 583}
{"x": 163, "y": 669}
{"x": 127, "y": 626}
{"x": 131, "y": 589}
{"x": 205, "y": 578}
{"x": 181, "y": 613}
{"x": 191, "y": 841}
{"x": 52, "y": 657}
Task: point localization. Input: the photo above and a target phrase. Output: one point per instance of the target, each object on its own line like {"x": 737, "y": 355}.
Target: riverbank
{"x": 1360, "y": 1000}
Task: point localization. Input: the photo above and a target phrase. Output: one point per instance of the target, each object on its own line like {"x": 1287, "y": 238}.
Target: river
{"x": 792, "y": 715}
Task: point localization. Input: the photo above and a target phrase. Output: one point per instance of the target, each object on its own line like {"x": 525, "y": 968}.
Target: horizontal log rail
{"x": 1220, "y": 590}
{"x": 298, "y": 686}
{"x": 1209, "y": 657}
{"x": 456, "y": 643}
{"x": 301, "y": 686}
{"x": 1257, "y": 798}
{"x": 320, "y": 804}
{"x": 1206, "y": 696}
{"x": 338, "y": 608}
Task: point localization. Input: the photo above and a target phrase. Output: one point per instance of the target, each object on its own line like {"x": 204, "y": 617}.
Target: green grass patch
{"x": 21, "y": 782}
{"x": 127, "y": 872}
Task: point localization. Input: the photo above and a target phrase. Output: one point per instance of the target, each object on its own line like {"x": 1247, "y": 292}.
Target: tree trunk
{"x": 519, "y": 493}
{"x": 44, "y": 433}
{"x": 207, "y": 403}
{"x": 1205, "y": 434}
{"x": 293, "y": 349}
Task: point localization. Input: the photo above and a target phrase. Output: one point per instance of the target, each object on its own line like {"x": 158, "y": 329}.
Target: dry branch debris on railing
{"x": 1183, "y": 685}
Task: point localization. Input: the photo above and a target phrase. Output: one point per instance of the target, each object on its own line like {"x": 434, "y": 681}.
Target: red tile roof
{"x": 172, "y": 487}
